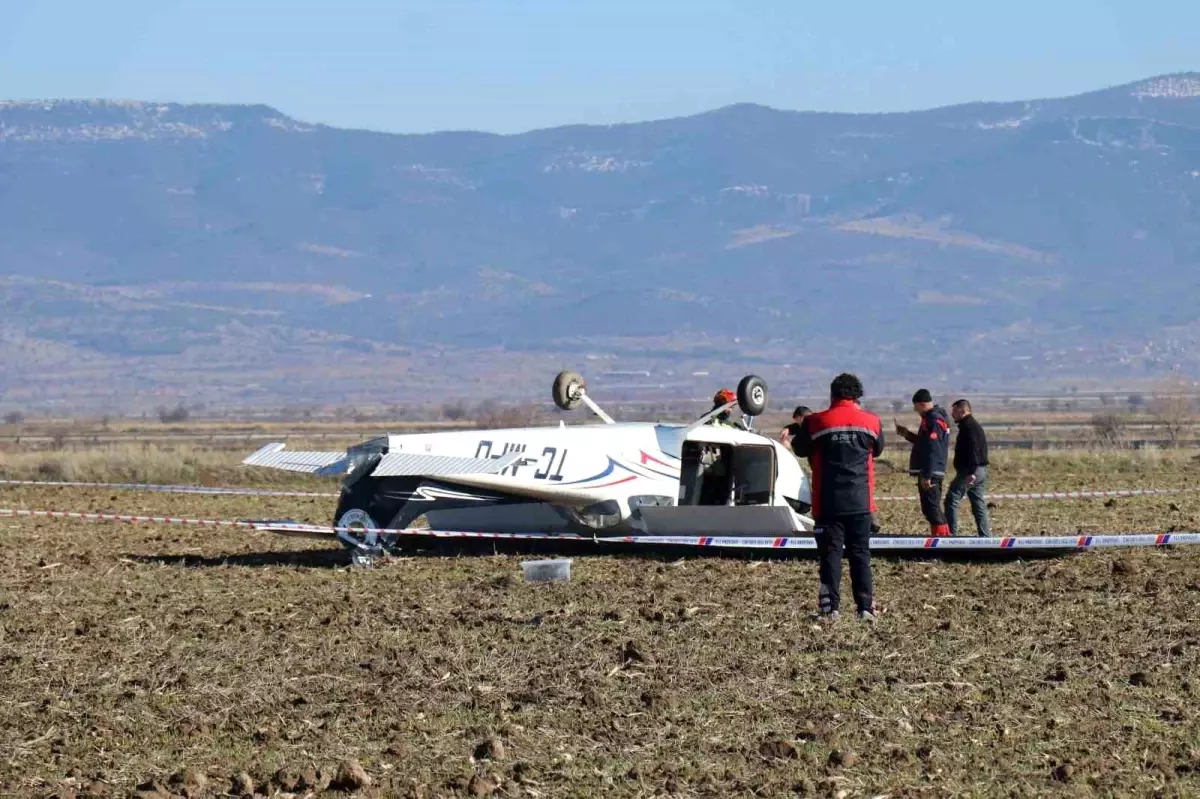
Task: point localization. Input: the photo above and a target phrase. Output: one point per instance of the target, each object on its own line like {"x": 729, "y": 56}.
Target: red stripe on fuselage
{"x": 647, "y": 458}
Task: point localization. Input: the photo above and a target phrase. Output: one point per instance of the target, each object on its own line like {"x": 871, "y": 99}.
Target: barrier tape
{"x": 894, "y": 543}
{"x": 266, "y": 492}
{"x": 122, "y": 517}
{"x": 172, "y": 489}
{"x": 880, "y": 542}
{"x": 1119, "y": 492}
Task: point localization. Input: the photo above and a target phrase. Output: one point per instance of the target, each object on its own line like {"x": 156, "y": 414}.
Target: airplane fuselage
{"x": 594, "y": 475}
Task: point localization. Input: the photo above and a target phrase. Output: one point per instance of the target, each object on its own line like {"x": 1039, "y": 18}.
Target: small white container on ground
{"x": 544, "y": 571}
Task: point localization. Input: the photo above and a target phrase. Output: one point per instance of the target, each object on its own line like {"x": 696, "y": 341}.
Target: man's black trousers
{"x": 851, "y": 533}
{"x": 931, "y": 507}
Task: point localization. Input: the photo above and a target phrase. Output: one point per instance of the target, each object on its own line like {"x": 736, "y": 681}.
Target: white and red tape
{"x": 893, "y": 543}
{"x": 267, "y": 492}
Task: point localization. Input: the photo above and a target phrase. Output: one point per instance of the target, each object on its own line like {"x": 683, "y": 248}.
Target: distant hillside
{"x": 151, "y": 249}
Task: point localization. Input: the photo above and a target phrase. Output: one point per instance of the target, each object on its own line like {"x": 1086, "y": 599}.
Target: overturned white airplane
{"x": 605, "y": 479}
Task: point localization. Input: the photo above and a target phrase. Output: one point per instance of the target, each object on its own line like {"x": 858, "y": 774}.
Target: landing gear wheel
{"x": 752, "y": 395}
{"x": 568, "y": 390}
{"x": 358, "y": 531}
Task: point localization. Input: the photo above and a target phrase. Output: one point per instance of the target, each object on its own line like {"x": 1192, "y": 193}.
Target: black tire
{"x": 568, "y": 390}
{"x": 752, "y": 395}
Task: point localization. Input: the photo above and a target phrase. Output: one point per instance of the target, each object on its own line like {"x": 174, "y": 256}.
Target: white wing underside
{"x": 274, "y": 456}
{"x": 400, "y": 464}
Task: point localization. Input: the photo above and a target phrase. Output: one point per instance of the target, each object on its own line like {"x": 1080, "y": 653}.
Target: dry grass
{"x": 182, "y": 463}
{"x": 131, "y": 653}
{"x": 117, "y": 463}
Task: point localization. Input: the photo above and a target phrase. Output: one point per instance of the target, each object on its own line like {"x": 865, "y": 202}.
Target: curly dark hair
{"x": 846, "y": 386}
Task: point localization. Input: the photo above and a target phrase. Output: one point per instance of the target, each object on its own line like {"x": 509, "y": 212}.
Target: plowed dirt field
{"x": 186, "y": 661}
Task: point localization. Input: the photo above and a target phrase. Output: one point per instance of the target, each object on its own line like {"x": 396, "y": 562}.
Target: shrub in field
{"x": 505, "y": 417}
{"x": 1173, "y": 409}
{"x": 1109, "y": 429}
{"x": 173, "y": 415}
{"x": 454, "y": 412}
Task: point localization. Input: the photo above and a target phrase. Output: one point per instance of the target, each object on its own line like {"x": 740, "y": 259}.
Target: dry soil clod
{"x": 151, "y": 789}
{"x": 1121, "y": 567}
{"x": 287, "y": 779}
{"x": 242, "y": 785}
{"x": 481, "y": 785}
{"x": 351, "y": 776}
{"x": 189, "y": 782}
{"x": 314, "y": 779}
{"x": 491, "y": 749}
{"x": 632, "y": 653}
{"x": 1063, "y": 772}
{"x": 778, "y": 749}
{"x": 840, "y": 759}
{"x": 1058, "y": 675}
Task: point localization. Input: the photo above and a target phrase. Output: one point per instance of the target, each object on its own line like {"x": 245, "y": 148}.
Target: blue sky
{"x": 513, "y": 65}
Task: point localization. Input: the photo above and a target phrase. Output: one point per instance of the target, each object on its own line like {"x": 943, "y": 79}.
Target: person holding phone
{"x": 931, "y": 448}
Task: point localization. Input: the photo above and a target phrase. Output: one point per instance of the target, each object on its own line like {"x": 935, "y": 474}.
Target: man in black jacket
{"x": 790, "y": 431}
{"x": 931, "y": 445}
{"x": 970, "y": 469}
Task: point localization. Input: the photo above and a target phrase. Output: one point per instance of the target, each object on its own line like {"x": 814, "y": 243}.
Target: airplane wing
{"x": 275, "y": 456}
{"x": 399, "y": 464}
{"x": 402, "y": 464}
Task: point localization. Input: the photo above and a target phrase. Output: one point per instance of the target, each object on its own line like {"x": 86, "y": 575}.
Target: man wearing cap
{"x": 931, "y": 447}
{"x": 712, "y": 478}
{"x": 722, "y": 398}
{"x": 789, "y": 432}
{"x": 841, "y": 445}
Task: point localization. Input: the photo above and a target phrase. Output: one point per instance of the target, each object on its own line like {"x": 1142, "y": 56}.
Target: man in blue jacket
{"x": 931, "y": 447}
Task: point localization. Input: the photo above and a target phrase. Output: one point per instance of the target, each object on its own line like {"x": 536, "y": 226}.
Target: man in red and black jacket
{"x": 927, "y": 462}
{"x": 841, "y": 445}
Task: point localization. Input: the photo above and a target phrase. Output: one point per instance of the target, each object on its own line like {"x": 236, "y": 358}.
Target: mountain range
{"x": 232, "y": 255}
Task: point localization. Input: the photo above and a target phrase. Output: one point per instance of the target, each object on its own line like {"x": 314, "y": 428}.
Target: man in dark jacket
{"x": 841, "y": 445}
{"x": 970, "y": 469}
{"x": 788, "y": 432}
{"x": 931, "y": 445}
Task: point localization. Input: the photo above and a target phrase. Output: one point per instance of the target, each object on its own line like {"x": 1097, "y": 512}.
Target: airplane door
{"x": 753, "y": 475}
